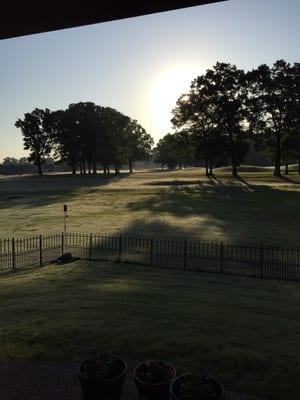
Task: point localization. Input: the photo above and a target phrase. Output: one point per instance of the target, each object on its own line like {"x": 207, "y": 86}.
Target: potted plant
{"x": 196, "y": 387}
{"x": 153, "y": 379}
{"x": 102, "y": 377}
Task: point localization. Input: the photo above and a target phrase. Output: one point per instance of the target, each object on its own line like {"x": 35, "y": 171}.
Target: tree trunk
{"x": 206, "y": 165}
{"x": 277, "y": 157}
{"x": 234, "y": 164}
{"x": 210, "y": 167}
{"x": 104, "y": 168}
{"x": 117, "y": 171}
{"x": 286, "y": 172}
{"x": 39, "y": 165}
{"x": 299, "y": 163}
{"x": 73, "y": 169}
{"x": 234, "y": 169}
{"x": 108, "y": 169}
{"x": 130, "y": 166}
{"x": 84, "y": 168}
{"x": 94, "y": 169}
{"x": 180, "y": 165}
{"x": 80, "y": 167}
{"x": 277, "y": 168}
{"x": 89, "y": 168}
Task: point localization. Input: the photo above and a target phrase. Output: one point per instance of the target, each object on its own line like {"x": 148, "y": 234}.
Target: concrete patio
{"x": 26, "y": 380}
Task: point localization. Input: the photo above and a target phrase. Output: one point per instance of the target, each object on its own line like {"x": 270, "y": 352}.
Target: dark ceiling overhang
{"x": 18, "y": 18}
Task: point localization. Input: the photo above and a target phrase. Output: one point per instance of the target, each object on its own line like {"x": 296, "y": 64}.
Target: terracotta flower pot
{"x": 147, "y": 379}
{"x": 96, "y": 386}
{"x": 177, "y": 391}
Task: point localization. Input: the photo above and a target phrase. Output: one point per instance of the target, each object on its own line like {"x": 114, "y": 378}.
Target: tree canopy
{"x": 37, "y": 128}
{"x": 85, "y": 135}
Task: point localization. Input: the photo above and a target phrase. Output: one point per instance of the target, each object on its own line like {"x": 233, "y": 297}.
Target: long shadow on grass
{"x": 288, "y": 179}
{"x": 242, "y": 211}
{"x": 35, "y": 191}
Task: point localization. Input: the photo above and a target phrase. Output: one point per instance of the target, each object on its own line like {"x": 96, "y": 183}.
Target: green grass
{"x": 256, "y": 208}
{"x": 245, "y": 331}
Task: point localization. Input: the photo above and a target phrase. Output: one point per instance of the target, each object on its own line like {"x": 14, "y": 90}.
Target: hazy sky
{"x": 141, "y": 65}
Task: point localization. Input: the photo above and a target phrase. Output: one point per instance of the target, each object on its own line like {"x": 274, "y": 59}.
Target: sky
{"x": 140, "y": 65}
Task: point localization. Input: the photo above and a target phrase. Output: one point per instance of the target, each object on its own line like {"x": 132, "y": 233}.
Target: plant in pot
{"x": 196, "y": 387}
{"x": 102, "y": 377}
{"x": 153, "y": 379}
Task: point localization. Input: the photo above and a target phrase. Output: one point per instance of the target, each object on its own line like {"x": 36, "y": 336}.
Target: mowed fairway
{"x": 244, "y": 331}
{"x": 255, "y": 208}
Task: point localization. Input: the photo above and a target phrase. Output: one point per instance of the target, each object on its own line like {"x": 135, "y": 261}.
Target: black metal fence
{"x": 260, "y": 261}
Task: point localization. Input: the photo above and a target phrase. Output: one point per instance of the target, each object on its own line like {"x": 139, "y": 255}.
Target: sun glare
{"x": 164, "y": 93}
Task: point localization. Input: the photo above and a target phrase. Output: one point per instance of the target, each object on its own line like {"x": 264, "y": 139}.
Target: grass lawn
{"x": 245, "y": 331}
{"x": 256, "y": 208}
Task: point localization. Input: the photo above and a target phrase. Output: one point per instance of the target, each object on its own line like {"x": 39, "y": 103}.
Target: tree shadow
{"x": 175, "y": 182}
{"x": 244, "y": 213}
{"x": 288, "y": 179}
{"x": 214, "y": 179}
{"x": 36, "y": 191}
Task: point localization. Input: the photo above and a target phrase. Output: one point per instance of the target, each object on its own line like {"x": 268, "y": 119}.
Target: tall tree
{"x": 194, "y": 113}
{"x": 214, "y": 112}
{"x": 225, "y": 86}
{"x": 138, "y": 143}
{"x": 37, "y": 129}
{"x": 272, "y": 96}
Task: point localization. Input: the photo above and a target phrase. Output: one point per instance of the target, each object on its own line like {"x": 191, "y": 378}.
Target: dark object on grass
{"x": 153, "y": 379}
{"x": 66, "y": 258}
{"x": 196, "y": 387}
{"x": 102, "y": 377}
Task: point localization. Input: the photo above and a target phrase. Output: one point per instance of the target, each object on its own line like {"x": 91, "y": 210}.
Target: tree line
{"x": 85, "y": 136}
{"x": 227, "y": 108}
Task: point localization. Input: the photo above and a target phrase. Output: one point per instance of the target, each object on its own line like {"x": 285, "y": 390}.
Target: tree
{"x": 66, "y": 137}
{"x": 78, "y": 135}
{"x": 115, "y": 138}
{"x": 166, "y": 151}
{"x": 184, "y": 147}
{"x": 37, "y": 129}
{"x": 8, "y": 161}
{"x": 23, "y": 161}
{"x": 294, "y": 136}
{"x": 214, "y": 112}
{"x": 225, "y": 85}
{"x": 273, "y": 95}
{"x": 194, "y": 113}
{"x": 138, "y": 143}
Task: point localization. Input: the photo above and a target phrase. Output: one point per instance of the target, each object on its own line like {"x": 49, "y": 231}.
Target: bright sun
{"x": 164, "y": 93}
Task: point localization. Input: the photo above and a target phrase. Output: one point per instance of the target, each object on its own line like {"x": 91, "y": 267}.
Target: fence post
{"x": 13, "y": 253}
{"x": 120, "y": 248}
{"x": 261, "y": 261}
{"x": 62, "y": 243}
{"x": 151, "y": 251}
{"x": 222, "y": 257}
{"x": 185, "y": 255}
{"x": 91, "y": 245}
{"x": 41, "y": 250}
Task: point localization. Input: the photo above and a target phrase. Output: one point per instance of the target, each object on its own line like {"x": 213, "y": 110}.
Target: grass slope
{"x": 255, "y": 208}
{"x": 245, "y": 331}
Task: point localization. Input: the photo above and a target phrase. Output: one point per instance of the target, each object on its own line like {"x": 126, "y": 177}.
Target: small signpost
{"x": 65, "y": 218}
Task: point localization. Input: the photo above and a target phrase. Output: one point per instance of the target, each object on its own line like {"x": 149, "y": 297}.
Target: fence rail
{"x": 260, "y": 261}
